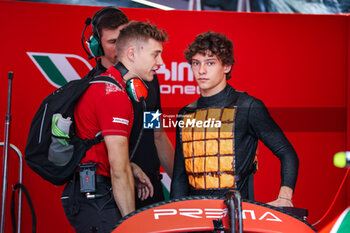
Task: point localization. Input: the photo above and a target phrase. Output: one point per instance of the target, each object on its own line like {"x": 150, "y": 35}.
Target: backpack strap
{"x": 96, "y": 140}
{"x": 106, "y": 79}
{"x": 102, "y": 79}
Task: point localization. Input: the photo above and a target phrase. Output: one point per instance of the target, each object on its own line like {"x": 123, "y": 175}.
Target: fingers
{"x": 143, "y": 183}
{"x": 139, "y": 192}
{"x": 144, "y": 180}
{"x": 272, "y": 203}
{"x": 151, "y": 190}
{"x": 147, "y": 182}
{"x": 143, "y": 192}
{"x": 281, "y": 203}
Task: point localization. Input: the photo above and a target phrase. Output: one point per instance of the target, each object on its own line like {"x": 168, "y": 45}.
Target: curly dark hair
{"x": 212, "y": 43}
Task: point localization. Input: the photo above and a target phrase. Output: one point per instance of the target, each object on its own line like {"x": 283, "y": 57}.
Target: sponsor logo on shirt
{"x": 120, "y": 120}
{"x": 110, "y": 88}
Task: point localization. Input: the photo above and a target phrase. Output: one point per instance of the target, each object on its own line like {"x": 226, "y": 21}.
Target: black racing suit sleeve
{"x": 266, "y": 129}
{"x": 179, "y": 182}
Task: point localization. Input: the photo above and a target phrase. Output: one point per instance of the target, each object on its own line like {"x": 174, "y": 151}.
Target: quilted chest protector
{"x": 209, "y": 151}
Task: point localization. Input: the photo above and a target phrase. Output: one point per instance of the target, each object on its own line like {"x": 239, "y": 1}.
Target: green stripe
{"x": 50, "y": 69}
{"x": 345, "y": 224}
{"x": 166, "y": 192}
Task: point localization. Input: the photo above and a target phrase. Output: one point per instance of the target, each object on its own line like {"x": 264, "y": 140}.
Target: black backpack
{"x": 61, "y": 101}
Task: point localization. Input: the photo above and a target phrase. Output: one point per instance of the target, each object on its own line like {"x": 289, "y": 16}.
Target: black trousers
{"x": 98, "y": 215}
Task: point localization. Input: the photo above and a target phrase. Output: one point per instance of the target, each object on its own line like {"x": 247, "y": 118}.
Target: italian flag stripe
{"x": 50, "y": 69}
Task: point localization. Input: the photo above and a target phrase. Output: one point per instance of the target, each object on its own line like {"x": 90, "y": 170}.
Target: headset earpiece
{"x": 94, "y": 42}
{"x": 94, "y": 46}
{"x": 137, "y": 89}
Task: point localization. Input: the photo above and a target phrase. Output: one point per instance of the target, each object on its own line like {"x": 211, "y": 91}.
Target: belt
{"x": 99, "y": 178}
{"x": 103, "y": 179}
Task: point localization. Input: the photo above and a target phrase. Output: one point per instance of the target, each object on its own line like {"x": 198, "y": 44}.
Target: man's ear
{"x": 130, "y": 53}
{"x": 227, "y": 68}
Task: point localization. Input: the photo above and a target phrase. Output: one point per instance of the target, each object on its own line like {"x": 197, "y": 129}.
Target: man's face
{"x": 148, "y": 59}
{"x": 210, "y": 74}
{"x": 108, "y": 40}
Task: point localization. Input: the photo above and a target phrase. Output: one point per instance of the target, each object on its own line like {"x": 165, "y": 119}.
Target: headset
{"x": 94, "y": 42}
{"x": 136, "y": 88}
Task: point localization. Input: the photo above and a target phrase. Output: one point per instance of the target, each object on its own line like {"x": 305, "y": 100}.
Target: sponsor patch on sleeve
{"x": 120, "y": 120}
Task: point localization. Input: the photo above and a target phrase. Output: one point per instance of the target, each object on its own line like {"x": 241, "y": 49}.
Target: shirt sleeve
{"x": 114, "y": 114}
{"x": 265, "y": 128}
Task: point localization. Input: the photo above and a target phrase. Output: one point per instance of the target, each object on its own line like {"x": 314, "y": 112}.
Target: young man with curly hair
{"x": 216, "y": 147}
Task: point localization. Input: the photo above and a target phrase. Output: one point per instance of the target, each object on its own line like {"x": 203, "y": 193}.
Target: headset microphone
{"x": 87, "y": 23}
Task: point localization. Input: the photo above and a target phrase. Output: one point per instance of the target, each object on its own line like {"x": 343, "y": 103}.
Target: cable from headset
{"x": 141, "y": 132}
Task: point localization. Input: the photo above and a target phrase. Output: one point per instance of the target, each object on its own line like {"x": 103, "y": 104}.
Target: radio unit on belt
{"x": 87, "y": 175}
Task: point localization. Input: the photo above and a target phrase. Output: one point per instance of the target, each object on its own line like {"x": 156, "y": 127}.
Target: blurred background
{"x": 280, "y": 6}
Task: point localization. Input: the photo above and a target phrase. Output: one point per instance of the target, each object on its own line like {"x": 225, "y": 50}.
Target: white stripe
{"x": 66, "y": 69}
{"x": 166, "y": 180}
{"x": 339, "y": 221}
{"x": 153, "y": 4}
{"x": 42, "y": 123}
